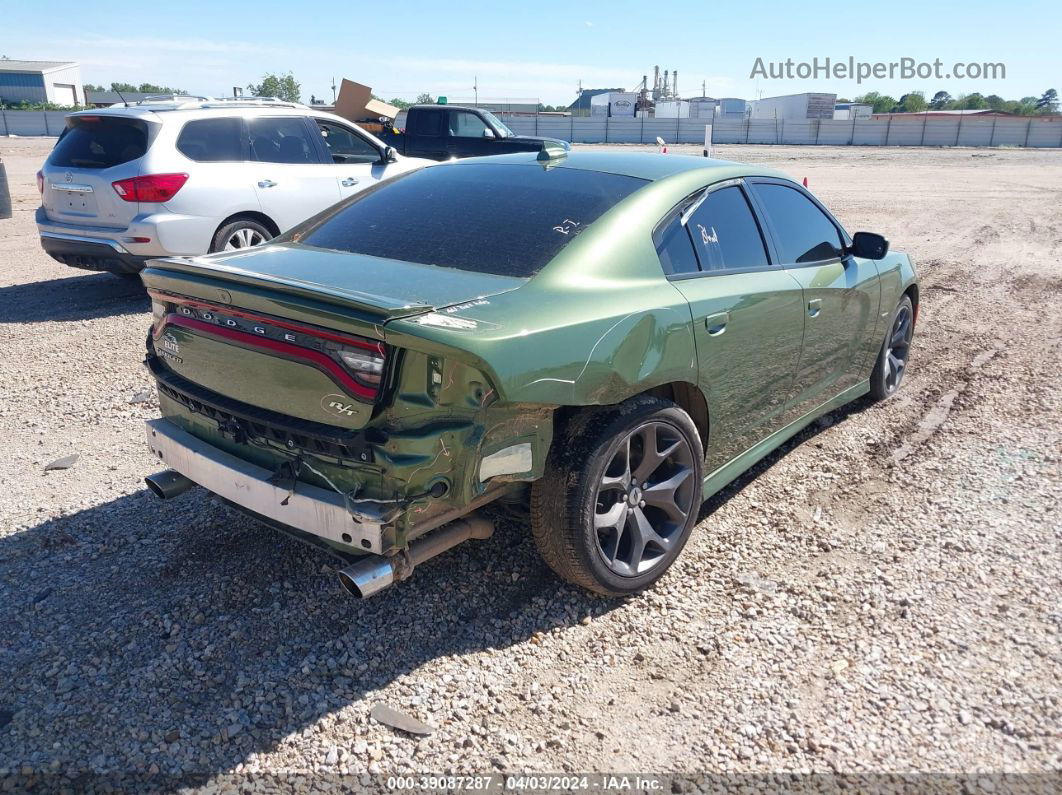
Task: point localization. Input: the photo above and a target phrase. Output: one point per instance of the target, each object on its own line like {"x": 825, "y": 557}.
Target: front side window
{"x": 212, "y": 140}
{"x": 345, "y": 145}
{"x": 804, "y": 232}
{"x": 281, "y": 140}
{"x": 508, "y": 220}
{"x": 466, "y": 125}
{"x": 725, "y": 233}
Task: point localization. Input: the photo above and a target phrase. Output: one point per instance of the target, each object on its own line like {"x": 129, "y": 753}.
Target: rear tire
{"x": 891, "y": 364}
{"x": 607, "y": 514}
{"x": 239, "y": 234}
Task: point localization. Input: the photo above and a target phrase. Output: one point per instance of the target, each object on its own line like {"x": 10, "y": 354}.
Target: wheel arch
{"x": 685, "y": 395}
{"x": 251, "y": 215}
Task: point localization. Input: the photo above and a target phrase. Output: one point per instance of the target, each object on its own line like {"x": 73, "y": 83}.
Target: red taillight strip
{"x": 377, "y": 347}
{"x": 318, "y": 359}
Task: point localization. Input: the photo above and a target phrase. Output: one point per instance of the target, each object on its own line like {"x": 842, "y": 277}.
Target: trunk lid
{"x": 95, "y": 151}
{"x": 381, "y": 289}
{"x": 295, "y": 330}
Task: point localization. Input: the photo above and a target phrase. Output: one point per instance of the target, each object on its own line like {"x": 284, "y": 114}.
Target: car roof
{"x": 641, "y": 165}
{"x": 158, "y": 110}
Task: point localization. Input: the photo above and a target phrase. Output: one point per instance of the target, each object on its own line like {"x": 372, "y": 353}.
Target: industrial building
{"x": 58, "y": 82}
{"x": 846, "y": 111}
{"x": 581, "y": 106}
{"x": 795, "y": 106}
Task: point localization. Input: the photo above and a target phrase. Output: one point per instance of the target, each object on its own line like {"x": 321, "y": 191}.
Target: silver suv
{"x": 190, "y": 175}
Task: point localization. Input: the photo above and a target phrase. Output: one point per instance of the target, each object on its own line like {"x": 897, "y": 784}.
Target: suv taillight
{"x": 152, "y": 188}
{"x": 40, "y": 182}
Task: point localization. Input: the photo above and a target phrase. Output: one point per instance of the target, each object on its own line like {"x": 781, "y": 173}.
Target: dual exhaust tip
{"x": 372, "y": 573}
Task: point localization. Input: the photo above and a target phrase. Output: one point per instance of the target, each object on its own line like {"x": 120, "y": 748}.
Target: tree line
{"x": 916, "y": 102}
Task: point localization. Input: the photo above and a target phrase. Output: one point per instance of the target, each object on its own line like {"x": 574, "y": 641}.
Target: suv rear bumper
{"x": 309, "y": 509}
{"x": 90, "y": 253}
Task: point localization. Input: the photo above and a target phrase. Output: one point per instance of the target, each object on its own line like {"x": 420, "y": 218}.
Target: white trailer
{"x": 614, "y": 103}
{"x": 673, "y": 109}
{"x": 795, "y": 106}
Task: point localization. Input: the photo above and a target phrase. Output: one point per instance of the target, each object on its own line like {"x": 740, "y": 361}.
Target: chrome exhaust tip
{"x": 374, "y": 573}
{"x": 168, "y": 484}
{"x": 368, "y": 576}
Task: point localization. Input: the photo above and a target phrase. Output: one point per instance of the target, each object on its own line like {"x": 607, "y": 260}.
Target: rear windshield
{"x": 99, "y": 142}
{"x": 508, "y": 220}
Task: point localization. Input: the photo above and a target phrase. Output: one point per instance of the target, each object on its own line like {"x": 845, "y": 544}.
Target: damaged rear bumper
{"x": 310, "y": 509}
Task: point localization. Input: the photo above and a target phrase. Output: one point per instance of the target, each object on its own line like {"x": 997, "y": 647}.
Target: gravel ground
{"x": 882, "y": 595}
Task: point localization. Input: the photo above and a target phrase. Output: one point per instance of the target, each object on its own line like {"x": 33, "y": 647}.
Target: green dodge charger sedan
{"x": 606, "y": 338}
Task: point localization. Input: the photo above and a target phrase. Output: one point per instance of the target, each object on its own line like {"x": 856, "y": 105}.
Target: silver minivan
{"x": 190, "y": 176}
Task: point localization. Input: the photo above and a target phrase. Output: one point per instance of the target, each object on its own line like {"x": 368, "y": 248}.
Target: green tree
{"x": 1048, "y": 103}
{"x": 995, "y": 101}
{"x": 284, "y": 87}
{"x": 401, "y": 104}
{"x": 880, "y": 103}
{"x": 425, "y": 99}
{"x": 972, "y": 101}
{"x": 143, "y": 88}
{"x": 915, "y": 102}
{"x": 941, "y": 101}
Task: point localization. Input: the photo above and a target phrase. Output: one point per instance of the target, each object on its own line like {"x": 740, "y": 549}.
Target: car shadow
{"x": 717, "y": 500}
{"x": 183, "y": 635}
{"x": 78, "y": 297}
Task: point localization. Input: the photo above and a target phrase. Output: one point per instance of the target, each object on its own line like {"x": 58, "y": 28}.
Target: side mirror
{"x": 390, "y": 154}
{"x": 869, "y": 245}
{"x": 488, "y": 133}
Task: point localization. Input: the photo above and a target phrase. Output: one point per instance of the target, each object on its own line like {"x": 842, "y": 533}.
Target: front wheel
{"x": 620, "y": 495}
{"x": 895, "y": 351}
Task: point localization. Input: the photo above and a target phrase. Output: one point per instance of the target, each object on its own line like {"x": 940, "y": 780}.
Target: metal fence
{"x": 1031, "y": 131}
{"x": 1028, "y": 131}
{"x": 32, "y": 122}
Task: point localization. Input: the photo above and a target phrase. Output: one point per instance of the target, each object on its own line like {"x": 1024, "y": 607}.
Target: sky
{"x": 538, "y": 50}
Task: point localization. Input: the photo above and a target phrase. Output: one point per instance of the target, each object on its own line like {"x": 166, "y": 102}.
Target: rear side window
{"x": 508, "y": 220}
{"x": 100, "y": 142}
{"x": 212, "y": 140}
{"x": 427, "y": 122}
{"x": 725, "y": 232}
{"x": 675, "y": 250}
{"x": 281, "y": 140}
{"x": 803, "y": 232}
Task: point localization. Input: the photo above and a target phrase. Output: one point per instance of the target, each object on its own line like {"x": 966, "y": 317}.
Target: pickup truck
{"x": 442, "y": 132}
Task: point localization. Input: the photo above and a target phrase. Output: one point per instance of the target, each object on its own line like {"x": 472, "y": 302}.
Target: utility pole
{"x": 475, "y": 89}
{"x": 333, "y": 91}
{"x": 704, "y": 88}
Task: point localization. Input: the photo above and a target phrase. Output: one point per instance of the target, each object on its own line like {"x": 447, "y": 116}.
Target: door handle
{"x": 814, "y": 307}
{"x": 349, "y": 182}
{"x": 266, "y": 183}
{"x": 716, "y": 324}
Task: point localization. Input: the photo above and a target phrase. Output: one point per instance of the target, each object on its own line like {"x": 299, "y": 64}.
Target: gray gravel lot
{"x": 881, "y": 595}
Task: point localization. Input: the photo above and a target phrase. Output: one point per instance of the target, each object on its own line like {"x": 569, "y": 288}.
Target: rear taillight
{"x": 365, "y": 365}
{"x": 40, "y": 182}
{"x": 151, "y": 188}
